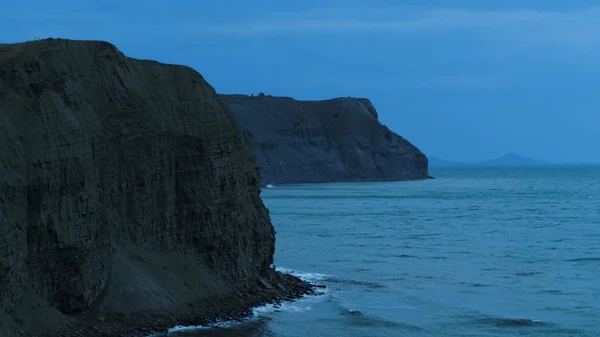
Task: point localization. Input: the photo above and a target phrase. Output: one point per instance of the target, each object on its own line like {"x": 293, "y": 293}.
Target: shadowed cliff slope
{"x": 339, "y": 139}
{"x": 124, "y": 186}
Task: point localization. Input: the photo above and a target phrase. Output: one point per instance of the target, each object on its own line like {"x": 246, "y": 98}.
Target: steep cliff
{"x": 323, "y": 141}
{"x": 124, "y": 187}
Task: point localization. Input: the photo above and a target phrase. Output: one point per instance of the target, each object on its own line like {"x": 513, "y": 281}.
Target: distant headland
{"x": 507, "y": 160}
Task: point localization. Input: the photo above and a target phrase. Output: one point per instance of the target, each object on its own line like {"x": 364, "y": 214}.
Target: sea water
{"x": 475, "y": 252}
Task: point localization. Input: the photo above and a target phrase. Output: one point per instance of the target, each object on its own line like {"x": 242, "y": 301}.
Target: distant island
{"x": 507, "y": 160}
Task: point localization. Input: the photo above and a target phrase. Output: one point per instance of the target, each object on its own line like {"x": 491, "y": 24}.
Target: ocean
{"x": 476, "y": 252}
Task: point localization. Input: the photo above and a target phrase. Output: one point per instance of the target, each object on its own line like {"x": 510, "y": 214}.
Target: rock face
{"x": 323, "y": 141}
{"x": 124, "y": 187}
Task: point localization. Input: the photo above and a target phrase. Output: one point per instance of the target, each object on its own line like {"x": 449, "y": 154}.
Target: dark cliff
{"x": 124, "y": 187}
{"x": 323, "y": 141}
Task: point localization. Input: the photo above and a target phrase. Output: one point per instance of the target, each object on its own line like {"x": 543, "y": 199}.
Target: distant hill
{"x": 435, "y": 161}
{"x": 513, "y": 159}
{"x": 509, "y": 159}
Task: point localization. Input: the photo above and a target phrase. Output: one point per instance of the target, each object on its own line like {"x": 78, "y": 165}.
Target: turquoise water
{"x": 475, "y": 252}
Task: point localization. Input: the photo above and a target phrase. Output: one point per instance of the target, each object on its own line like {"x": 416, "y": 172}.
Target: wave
{"x": 191, "y": 330}
{"x": 318, "y": 277}
{"x": 540, "y": 327}
{"x": 300, "y": 305}
{"x": 405, "y": 256}
{"x": 473, "y": 285}
{"x": 585, "y": 259}
{"x": 355, "y": 317}
{"x": 358, "y": 318}
{"x": 512, "y": 322}
{"x": 528, "y": 273}
{"x": 304, "y": 276}
{"x": 257, "y": 327}
{"x": 370, "y": 285}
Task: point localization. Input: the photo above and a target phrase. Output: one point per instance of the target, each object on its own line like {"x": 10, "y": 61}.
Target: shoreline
{"x": 238, "y": 306}
{"x": 264, "y": 185}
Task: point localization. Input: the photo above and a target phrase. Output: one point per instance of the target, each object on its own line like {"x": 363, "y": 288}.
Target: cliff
{"x": 125, "y": 188}
{"x": 339, "y": 139}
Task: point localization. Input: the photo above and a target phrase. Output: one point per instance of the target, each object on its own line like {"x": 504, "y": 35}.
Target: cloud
{"x": 420, "y": 82}
{"x": 575, "y": 27}
{"x": 524, "y": 27}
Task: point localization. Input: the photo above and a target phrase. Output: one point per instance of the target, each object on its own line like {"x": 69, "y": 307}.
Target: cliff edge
{"x": 125, "y": 189}
{"x": 333, "y": 140}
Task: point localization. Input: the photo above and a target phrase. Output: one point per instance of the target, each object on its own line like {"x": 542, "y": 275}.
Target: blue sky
{"x": 462, "y": 80}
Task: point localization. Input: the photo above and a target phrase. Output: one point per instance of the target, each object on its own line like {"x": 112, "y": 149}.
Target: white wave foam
{"x": 180, "y": 328}
{"x": 304, "y": 276}
{"x": 176, "y": 330}
{"x": 300, "y": 305}
{"x": 285, "y": 306}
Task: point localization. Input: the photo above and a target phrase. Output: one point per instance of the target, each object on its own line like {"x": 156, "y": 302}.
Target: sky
{"x": 461, "y": 79}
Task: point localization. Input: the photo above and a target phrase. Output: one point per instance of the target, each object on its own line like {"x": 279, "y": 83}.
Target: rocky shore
{"x": 275, "y": 289}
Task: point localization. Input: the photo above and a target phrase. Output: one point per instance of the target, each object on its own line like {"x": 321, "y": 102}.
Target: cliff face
{"x": 323, "y": 141}
{"x": 124, "y": 186}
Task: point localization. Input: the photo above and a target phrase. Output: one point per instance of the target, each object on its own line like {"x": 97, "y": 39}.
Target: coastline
{"x": 333, "y": 181}
{"x": 275, "y": 289}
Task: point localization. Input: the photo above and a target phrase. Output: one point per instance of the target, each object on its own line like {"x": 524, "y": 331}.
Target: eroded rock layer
{"x": 124, "y": 186}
